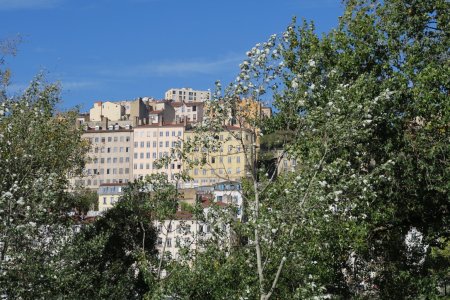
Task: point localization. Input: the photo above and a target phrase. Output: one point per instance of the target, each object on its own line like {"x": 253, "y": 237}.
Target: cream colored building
{"x": 226, "y": 163}
{"x": 187, "y": 95}
{"x": 152, "y": 142}
{"x": 109, "y": 159}
{"x": 110, "y": 110}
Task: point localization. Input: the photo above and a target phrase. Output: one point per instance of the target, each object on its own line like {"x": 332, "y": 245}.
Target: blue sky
{"x": 120, "y": 50}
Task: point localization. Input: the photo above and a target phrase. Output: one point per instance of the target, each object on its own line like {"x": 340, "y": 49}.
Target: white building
{"x": 187, "y": 95}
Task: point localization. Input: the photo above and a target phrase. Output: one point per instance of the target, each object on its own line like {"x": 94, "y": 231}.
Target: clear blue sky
{"x": 120, "y": 50}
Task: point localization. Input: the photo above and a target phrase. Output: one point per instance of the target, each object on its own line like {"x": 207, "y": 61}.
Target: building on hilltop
{"x": 227, "y": 162}
{"x": 187, "y": 95}
{"x": 110, "y": 157}
{"x": 153, "y": 142}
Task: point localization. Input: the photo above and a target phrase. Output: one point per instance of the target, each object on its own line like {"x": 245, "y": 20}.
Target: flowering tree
{"x": 367, "y": 105}
{"x": 37, "y": 151}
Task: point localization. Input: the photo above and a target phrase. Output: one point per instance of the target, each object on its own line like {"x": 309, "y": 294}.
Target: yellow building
{"x": 109, "y": 194}
{"x": 224, "y": 162}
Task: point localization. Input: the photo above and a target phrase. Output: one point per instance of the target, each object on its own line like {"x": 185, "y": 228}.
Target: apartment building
{"x": 109, "y": 159}
{"x": 190, "y": 111}
{"x": 225, "y": 163}
{"x": 187, "y": 95}
{"x": 153, "y": 142}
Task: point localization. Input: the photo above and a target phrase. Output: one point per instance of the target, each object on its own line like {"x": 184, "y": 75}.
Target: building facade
{"x": 226, "y": 162}
{"x": 109, "y": 159}
{"x": 153, "y": 142}
{"x": 109, "y": 194}
{"x": 187, "y": 95}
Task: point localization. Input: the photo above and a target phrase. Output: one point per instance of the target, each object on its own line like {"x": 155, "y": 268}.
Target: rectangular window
{"x": 108, "y": 160}
{"x": 115, "y": 160}
{"x": 127, "y": 170}
{"x": 142, "y": 144}
{"x": 238, "y": 159}
{"x": 167, "y": 143}
{"x": 127, "y": 159}
{"x": 161, "y": 144}
{"x": 136, "y": 144}
{"x": 148, "y": 155}
{"x": 109, "y": 139}
{"x": 148, "y": 144}
{"x": 154, "y": 144}
{"x": 161, "y": 133}
{"x": 135, "y": 156}
{"x": 141, "y": 155}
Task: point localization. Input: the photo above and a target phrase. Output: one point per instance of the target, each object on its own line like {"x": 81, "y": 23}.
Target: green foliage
{"x": 37, "y": 151}
{"x": 105, "y": 258}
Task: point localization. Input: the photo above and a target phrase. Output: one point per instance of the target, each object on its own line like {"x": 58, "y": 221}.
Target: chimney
{"x": 185, "y": 121}
{"x": 160, "y": 120}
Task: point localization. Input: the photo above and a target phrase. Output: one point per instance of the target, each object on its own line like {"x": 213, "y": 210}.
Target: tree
{"x": 368, "y": 106}
{"x": 37, "y": 150}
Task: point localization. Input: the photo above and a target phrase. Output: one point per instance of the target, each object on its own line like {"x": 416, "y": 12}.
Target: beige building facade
{"x": 153, "y": 142}
{"x": 109, "y": 159}
{"x": 187, "y": 95}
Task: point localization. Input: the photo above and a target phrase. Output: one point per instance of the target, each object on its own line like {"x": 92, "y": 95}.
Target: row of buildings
{"x": 129, "y": 138}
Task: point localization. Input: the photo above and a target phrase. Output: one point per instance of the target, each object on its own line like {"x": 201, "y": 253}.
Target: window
{"x": 167, "y": 144}
{"x": 154, "y": 154}
{"x": 195, "y": 171}
{"x": 238, "y": 170}
{"x": 194, "y": 108}
{"x": 154, "y": 144}
{"x": 107, "y": 171}
{"x": 96, "y": 139}
{"x": 148, "y": 155}
{"x": 127, "y": 170}
{"x": 136, "y": 144}
{"x": 213, "y": 160}
{"x": 135, "y": 166}
{"x": 115, "y": 160}
{"x": 238, "y": 159}
{"x": 121, "y": 160}
{"x": 204, "y": 172}
{"x": 230, "y": 160}
{"x": 120, "y": 170}
{"x": 126, "y": 149}
{"x": 108, "y": 160}
{"x": 141, "y": 155}
{"x": 104, "y": 200}
{"x": 179, "y": 133}
{"x": 109, "y": 150}
{"x": 161, "y": 144}
{"x": 148, "y": 144}
{"x": 141, "y": 166}
{"x": 161, "y": 133}
{"x": 147, "y": 166}
{"x": 127, "y": 159}
{"x": 173, "y": 133}
{"x": 121, "y": 149}
{"x": 109, "y": 139}
{"x": 135, "y": 156}
{"x": 102, "y": 160}
{"x": 142, "y": 144}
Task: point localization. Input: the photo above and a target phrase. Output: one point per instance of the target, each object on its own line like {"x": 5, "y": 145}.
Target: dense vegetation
{"x": 363, "y": 108}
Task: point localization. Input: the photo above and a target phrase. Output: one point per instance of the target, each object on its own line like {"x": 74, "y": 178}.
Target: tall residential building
{"x": 109, "y": 159}
{"x": 225, "y": 163}
{"x": 152, "y": 142}
{"x": 187, "y": 95}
